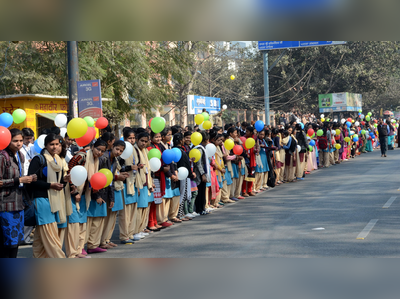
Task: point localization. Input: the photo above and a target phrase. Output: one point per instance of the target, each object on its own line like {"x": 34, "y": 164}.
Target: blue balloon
{"x": 122, "y": 138}
{"x": 355, "y": 139}
{"x": 36, "y": 147}
{"x": 45, "y": 171}
{"x": 6, "y": 119}
{"x": 351, "y": 133}
{"x": 168, "y": 156}
{"x": 178, "y": 154}
{"x": 302, "y": 126}
{"x": 259, "y": 125}
{"x": 312, "y": 142}
{"x": 348, "y": 124}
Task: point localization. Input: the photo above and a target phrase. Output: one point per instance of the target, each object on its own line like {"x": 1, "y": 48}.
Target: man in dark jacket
{"x": 383, "y": 131}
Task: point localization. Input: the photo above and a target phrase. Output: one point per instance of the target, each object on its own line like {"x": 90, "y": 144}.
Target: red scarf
{"x": 160, "y": 173}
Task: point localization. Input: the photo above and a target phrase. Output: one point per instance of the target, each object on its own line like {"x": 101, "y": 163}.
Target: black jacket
{"x": 382, "y": 130}
{"x": 185, "y": 162}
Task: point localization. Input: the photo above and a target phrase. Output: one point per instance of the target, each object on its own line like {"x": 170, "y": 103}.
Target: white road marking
{"x": 318, "y": 228}
{"x": 364, "y": 233}
{"x": 389, "y": 202}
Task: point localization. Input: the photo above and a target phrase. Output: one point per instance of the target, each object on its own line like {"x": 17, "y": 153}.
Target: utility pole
{"x": 266, "y": 87}
{"x": 73, "y": 76}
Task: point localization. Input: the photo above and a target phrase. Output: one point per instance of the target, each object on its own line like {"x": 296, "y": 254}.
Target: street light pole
{"x": 73, "y": 76}
{"x": 266, "y": 87}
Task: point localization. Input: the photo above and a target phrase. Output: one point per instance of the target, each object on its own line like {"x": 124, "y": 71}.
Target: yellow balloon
{"x": 232, "y": 77}
{"x": 338, "y": 146}
{"x": 108, "y": 175}
{"x": 76, "y": 128}
{"x": 337, "y": 131}
{"x": 322, "y": 119}
{"x": 196, "y": 138}
{"x": 198, "y": 119}
{"x": 347, "y": 139}
{"x": 229, "y": 144}
{"x": 250, "y": 142}
{"x": 207, "y": 125}
{"x": 352, "y": 120}
{"x": 195, "y": 153}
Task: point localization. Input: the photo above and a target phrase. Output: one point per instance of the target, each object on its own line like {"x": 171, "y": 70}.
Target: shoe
{"x": 204, "y": 213}
{"x": 166, "y": 224}
{"x": 240, "y": 197}
{"x": 84, "y": 252}
{"x": 245, "y": 195}
{"x": 154, "y": 229}
{"x": 300, "y": 179}
{"x": 139, "y": 235}
{"x": 129, "y": 241}
{"x": 209, "y": 210}
{"x": 97, "y": 250}
{"x": 81, "y": 256}
{"x": 112, "y": 244}
{"x": 135, "y": 238}
{"x": 106, "y": 246}
{"x": 221, "y": 203}
{"x": 145, "y": 234}
{"x": 229, "y": 201}
{"x": 252, "y": 194}
{"x": 234, "y": 199}
{"x": 307, "y": 172}
{"x": 188, "y": 215}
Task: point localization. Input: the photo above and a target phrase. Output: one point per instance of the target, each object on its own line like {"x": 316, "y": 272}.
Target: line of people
{"x": 75, "y": 221}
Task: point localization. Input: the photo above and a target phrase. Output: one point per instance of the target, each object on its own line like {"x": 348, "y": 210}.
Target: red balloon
{"x": 101, "y": 123}
{"x": 150, "y": 122}
{"x": 98, "y": 181}
{"x": 5, "y": 137}
{"x": 87, "y": 138}
{"x": 375, "y": 121}
{"x": 349, "y": 119}
{"x": 243, "y": 139}
{"x": 237, "y": 150}
{"x": 363, "y": 123}
{"x": 310, "y": 132}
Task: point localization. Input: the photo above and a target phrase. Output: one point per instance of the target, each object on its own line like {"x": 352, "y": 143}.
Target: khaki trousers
{"x": 144, "y": 218}
{"x": 290, "y": 171}
{"x": 172, "y": 206}
{"x": 208, "y": 190}
{"x": 238, "y": 186}
{"x": 94, "y": 231}
{"x": 72, "y": 240}
{"x": 278, "y": 174}
{"x": 46, "y": 243}
{"x": 127, "y": 221}
{"x": 225, "y": 192}
{"x": 326, "y": 159}
{"x": 336, "y": 154}
{"x": 82, "y": 236}
{"x": 282, "y": 174}
{"x": 109, "y": 226}
{"x": 259, "y": 181}
{"x": 162, "y": 212}
{"x": 332, "y": 158}
{"x": 215, "y": 202}
{"x": 264, "y": 179}
{"x": 300, "y": 166}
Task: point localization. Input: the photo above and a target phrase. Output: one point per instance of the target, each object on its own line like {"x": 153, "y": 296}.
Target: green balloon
{"x": 154, "y": 153}
{"x": 370, "y": 113}
{"x": 367, "y": 118}
{"x": 320, "y": 132}
{"x": 362, "y": 132}
{"x": 89, "y": 120}
{"x": 310, "y": 148}
{"x": 157, "y": 124}
{"x": 206, "y": 116}
{"x": 19, "y": 116}
{"x": 375, "y": 125}
{"x": 360, "y": 110}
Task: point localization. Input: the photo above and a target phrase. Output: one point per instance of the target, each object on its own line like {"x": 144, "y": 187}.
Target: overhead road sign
{"x": 273, "y": 45}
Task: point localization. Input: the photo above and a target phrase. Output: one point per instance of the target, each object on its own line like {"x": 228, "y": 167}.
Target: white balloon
{"x": 63, "y": 131}
{"x": 41, "y": 140}
{"x": 322, "y": 115}
{"x": 163, "y": 119}
{"x": 357, "y": 123}
{"x": 78, "y": 175}
{"x": 201, "y": 127}
{"x": 210, "y": 149}
{"x": 155, "y": 164}
{"x": 182, "y": 173}
{"x": 298, "y": 148}
{"x": 128, "y": 150}
{"x": 308, "y": 137}
{"x": 60, "y": 120}
{"x": 224, "y": 107}
{"x": 342, "y": 120}
{"x": 333, "y": 132}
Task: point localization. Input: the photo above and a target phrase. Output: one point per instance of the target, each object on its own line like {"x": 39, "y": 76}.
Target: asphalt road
{"x": 334, "y": 212}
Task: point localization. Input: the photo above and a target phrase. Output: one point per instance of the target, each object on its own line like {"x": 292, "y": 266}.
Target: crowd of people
{"x": 39, "y": 198}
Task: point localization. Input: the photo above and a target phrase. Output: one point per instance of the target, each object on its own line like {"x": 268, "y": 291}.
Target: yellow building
{"x": 40, "y": 109}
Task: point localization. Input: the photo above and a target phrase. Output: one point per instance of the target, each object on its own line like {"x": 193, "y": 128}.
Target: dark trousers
{"x": 201, "y": 198}
{"x": 5, "y": 251}
{"x": 384, "y": 143}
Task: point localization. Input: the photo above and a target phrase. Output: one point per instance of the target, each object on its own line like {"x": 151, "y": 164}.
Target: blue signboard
{"x": 271, "y": 45}
{"x": 196, "y": 104}
{"x": 89, "y": 98}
